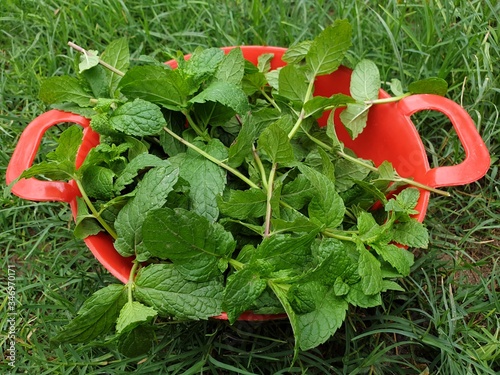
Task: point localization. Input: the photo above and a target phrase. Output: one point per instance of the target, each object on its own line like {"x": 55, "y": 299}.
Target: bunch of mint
{"x": 217, "y": 178}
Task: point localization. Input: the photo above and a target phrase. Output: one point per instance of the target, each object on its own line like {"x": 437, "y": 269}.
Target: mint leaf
{"x": 369, "y": 270}
{"x": 297, "y": 53}
{"x": 64, "y": 89}
{"x": 163, "y": 287}
{"x": 347, "y": 173}
{"x": 194, "y": 244}
{"x": 354, "y": 118}
{"x": 329, "y": 48}
{"x": 318, "y": 104}
{"x": 244, "y": 204}
{"x": 136, "y": 342}
{"x": 226, "y": 93}
{"x": 88, "y": 60}
{"x": 117, "y": 55}
{"x": 151, "y": 193}
{"x": 411, "y": 233}
{"x": 404, "y": 202}
{"x": 232, "y": 67}
{"x": 96, "y": 316}
{"x": 132, "y": 314}
{"x": 326, "y": 207}
{"x": 317, "y": 326}
{"x": 365, "y": 81}
{"x": 275, "y": 143}
{"x": 292, "y": 83}
{"x": 97, "y": 182}
{"x": 431, "y": 85}
{"x": 156, "y": 84}
{"x": 286, "y": 251}
{"x": 85, "y": 223}
{"x": 357, "y": 296}
{"x": 133, "y": 168}
{"x": 253, "y": 125}
{"x": 203, "y": 63}
{"x": 369, "y": 230}
{"x": 399, "y": 258}
{"x": 138, "y": 118}
{"x": 242, "y": 289}
{"x": 396, "y": 87}
{"x": 206, "y": 179}
{"x": 297, "y": 192}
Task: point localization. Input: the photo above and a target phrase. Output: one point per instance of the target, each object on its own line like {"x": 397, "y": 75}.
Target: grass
{"x": 447, "y": 321}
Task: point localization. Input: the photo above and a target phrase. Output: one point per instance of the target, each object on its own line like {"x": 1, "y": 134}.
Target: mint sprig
{"x": 251, "y": 206}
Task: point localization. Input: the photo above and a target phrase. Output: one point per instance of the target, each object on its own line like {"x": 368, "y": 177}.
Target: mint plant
{"x": 217, "y": 179}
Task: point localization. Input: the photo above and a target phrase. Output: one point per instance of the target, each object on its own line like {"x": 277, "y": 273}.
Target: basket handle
{"x": 477, "y": 158}
{"x": 25, "y": 152}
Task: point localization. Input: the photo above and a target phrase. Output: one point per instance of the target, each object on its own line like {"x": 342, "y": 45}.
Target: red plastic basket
{"x": 390, "y": 135}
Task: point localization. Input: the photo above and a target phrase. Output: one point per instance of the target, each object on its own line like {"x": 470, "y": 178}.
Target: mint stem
{"x": 103, "y": 63}
{"x": 212, "y": 159}
{"x": 270, "y": 183}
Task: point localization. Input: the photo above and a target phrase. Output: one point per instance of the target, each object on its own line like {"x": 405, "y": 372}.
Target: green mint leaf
{"x": 176, "y": 122}
{"x": 97, "y": 182}
{"x": 396, "y": 87}
{"x": 242, "y": 289}
{"x": 244, "y": 204}
{"x": 318, "y": 325}
{"x": 194, "y": 244}
{"x": 117, "y": 55}
{"x": 264, "y": 62}
{"x": 156, "y": 84}
{"x": 404, "y": 202}
{"x": 318, "y": 104}
{"x": 354, "y": 118}
{"x": 292, "y": 83}
{"x": 434, "y": 85}
{"x": 252, "y": 83}
{"x": 326, "y": 207}
{"x": 253, "y": 125}
{"x": 100, "y": 123}
{"x": 206, "y": 179}
{"x": 97, "y": 316}
{"x": 329, "y": 48}
{"x": 399, "y": 258}
{"x": 163, "y": 287}
{"x": 151, "y": 193}
{"x": 232, "y": 67}
{"x": 298, "y": 225}
{"x": 386, "y": 171}
{"x": 334, "y": 259}
{"x": 64, "y": 89}
{"x": 369, "y": 230}
{"x": 297, "y": 192}
{"x": 297, "y": 53}
{"x": 136, "y": 342}
{"x": 391, "y": 285}
{"x": 85, "y": 223}
{"x": 370, "y": 272}
{"x": 225, "y": 93}
{"x": 88, "y": 60}
{"x": 340, "y": 287}
{"x": 275, "y": 143}
{"x": 372, "y": 191}
{"x": 285, "y": 251}
{"x": 203, "y": 63}
{"x": 365, "y": 81}
{"x": 347, "y": 172}
{"x": 133, "y": 168}
{"x": 138, "y": 118}
{"x": 411, "y": 233}
{"x": 133, "y": 314}
{"x": 358, "y": 297}
{"x": 97, "y": 80}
